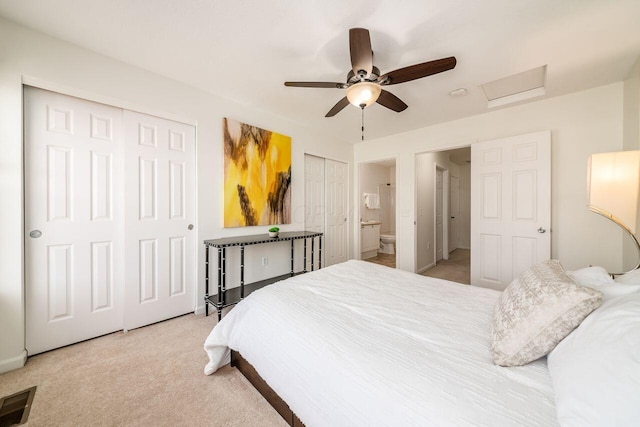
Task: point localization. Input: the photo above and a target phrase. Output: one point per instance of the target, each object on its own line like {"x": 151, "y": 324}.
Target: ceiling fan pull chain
{"x": 362, "y": 109}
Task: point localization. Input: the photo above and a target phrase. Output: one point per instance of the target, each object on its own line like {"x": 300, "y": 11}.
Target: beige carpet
{"x": 152, "y": 376}
{"x": 457, "y": 268}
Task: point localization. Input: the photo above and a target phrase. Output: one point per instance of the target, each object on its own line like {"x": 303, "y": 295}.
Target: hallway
{"x": 457, "y": 268}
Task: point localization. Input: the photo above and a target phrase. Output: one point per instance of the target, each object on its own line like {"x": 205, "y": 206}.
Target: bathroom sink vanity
{"x": 369, "y": 239}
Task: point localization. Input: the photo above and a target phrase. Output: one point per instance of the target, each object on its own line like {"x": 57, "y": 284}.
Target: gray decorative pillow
{"x": 536, "y": 311}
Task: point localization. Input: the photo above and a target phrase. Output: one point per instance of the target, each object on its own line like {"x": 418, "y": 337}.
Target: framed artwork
{"x": 257, "y": 176}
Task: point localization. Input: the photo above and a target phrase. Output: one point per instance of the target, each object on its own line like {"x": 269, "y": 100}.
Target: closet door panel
{"x": 74, "y": 224}
{"x": 160, "y": 218}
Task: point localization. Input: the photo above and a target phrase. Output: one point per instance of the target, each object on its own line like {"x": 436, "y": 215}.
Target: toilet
{"x": 387, "y": 243}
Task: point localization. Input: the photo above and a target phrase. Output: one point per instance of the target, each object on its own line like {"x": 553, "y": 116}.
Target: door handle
{"x": 453, "y": 217}
{"x": 35, "y": 234}
{"x": 190, "y": 226}
{"x": 542, "y": 230}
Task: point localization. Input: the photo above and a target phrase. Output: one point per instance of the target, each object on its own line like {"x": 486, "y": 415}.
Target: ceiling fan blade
{"x": 361, "y": 53}
{"x": 338, "y": 107}
{"x": 392, "y": 102}
{"x": 328, "y": 85}
{"x": 417, "y": 71}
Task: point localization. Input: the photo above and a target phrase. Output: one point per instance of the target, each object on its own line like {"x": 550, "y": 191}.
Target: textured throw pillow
{"x": 536, "y": 311}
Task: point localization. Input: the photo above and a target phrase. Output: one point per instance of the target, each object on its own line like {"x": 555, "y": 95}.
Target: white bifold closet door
{"x": 326, "y": 204}
{"x": 73, "y": 219}
{"x": 160, "y": 199}
{"x": 94, "y": 264}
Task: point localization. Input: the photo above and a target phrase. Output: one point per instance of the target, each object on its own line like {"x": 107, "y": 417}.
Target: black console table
{"x": 227, "y": 297}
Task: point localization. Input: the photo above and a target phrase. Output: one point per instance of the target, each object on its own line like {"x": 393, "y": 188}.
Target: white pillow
{"x": 594, "y": 277}
{"x": 598, "y": 278}
{"x": 596, "y": 369}
{"x": 630, "y": 278}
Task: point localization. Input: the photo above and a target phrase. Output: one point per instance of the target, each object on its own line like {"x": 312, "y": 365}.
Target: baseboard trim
{"x": 369, "y": 254}
{"x": 463, "y": 247}
{"x": 199, "y": 310}
{"x": 426, "y": 267}
{"x": 13, "y": 363}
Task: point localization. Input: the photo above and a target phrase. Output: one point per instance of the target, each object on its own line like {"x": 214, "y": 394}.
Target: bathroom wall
{"x": 387, "y": 211}
{"x": 392, "y": 207}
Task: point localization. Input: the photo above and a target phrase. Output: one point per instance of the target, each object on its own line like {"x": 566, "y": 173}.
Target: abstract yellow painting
{"x": 257, "y": 176}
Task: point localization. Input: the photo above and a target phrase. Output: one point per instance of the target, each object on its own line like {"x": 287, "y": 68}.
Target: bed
{"x": 359, "y": 344}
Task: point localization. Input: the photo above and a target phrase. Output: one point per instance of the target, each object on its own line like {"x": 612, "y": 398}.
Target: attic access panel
{"x": 517, "y": 87}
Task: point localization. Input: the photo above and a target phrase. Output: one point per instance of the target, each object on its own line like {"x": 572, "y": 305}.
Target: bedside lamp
{"x": 613, "y": 183}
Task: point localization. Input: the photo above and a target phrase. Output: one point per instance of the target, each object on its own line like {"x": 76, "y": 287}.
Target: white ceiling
{"x": 244, "y": 50}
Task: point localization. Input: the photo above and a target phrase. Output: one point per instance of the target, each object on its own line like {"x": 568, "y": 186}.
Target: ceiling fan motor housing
{"x": 352, "y": 78}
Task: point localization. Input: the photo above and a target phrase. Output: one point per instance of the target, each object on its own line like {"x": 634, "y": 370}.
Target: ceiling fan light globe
{"x": 363, "y": 93}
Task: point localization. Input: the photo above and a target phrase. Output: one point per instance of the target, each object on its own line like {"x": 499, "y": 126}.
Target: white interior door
{"x": 454, "y": 212}
{"x": 510, "y": 207}
{"x": 74, "y": 262}
{"x": 314, "y": 200}
{"x": 160, "y": 174}
{"x": 337, "y": 180}
{"x": 439, "y": 214}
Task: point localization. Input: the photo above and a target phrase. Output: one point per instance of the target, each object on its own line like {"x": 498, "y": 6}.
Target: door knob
{"x": 35, "y": 234}
{"x": 542, "y": 230}
{"x": 190, "y": 226}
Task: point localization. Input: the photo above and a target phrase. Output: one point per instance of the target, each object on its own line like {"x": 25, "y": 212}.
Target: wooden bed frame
{"x": 264, "y": 389}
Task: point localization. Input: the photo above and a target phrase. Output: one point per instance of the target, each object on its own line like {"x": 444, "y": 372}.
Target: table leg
{"x": 304, "y": 267}
{"x": 291, "y": 257}
{"x": 312, "y": 253}
{"x": 242, "y": 272}
{"x": 206, "y": 280}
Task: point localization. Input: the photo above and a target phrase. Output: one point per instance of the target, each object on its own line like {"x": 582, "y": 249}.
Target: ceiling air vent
{"x": 515, "y": 88}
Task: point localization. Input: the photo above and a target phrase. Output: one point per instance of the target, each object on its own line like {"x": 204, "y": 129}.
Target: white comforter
{"x": 362, "y": 344}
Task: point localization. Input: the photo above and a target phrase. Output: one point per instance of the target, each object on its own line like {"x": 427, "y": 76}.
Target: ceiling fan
{"x": 364, "y": 81}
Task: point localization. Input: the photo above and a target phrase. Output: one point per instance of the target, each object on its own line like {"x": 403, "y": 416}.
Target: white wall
{"x": 631, "y": 141}
{"x": 424, "y": 213}
{"x": 425, "y": 202}
{"x": 25, "y": 54}
{"x": 464, "y": 225}
{"x": 632, "y": 109}
{"x": 581, "y": 123}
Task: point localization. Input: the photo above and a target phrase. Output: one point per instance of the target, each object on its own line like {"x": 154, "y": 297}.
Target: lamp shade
{"x": 613, "y": 182}
{"x": 363, "y": 93}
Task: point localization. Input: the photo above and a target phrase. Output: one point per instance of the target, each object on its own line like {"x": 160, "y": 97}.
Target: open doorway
{"x": 377, "y": 193}
{"x": 443, "y": 232}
